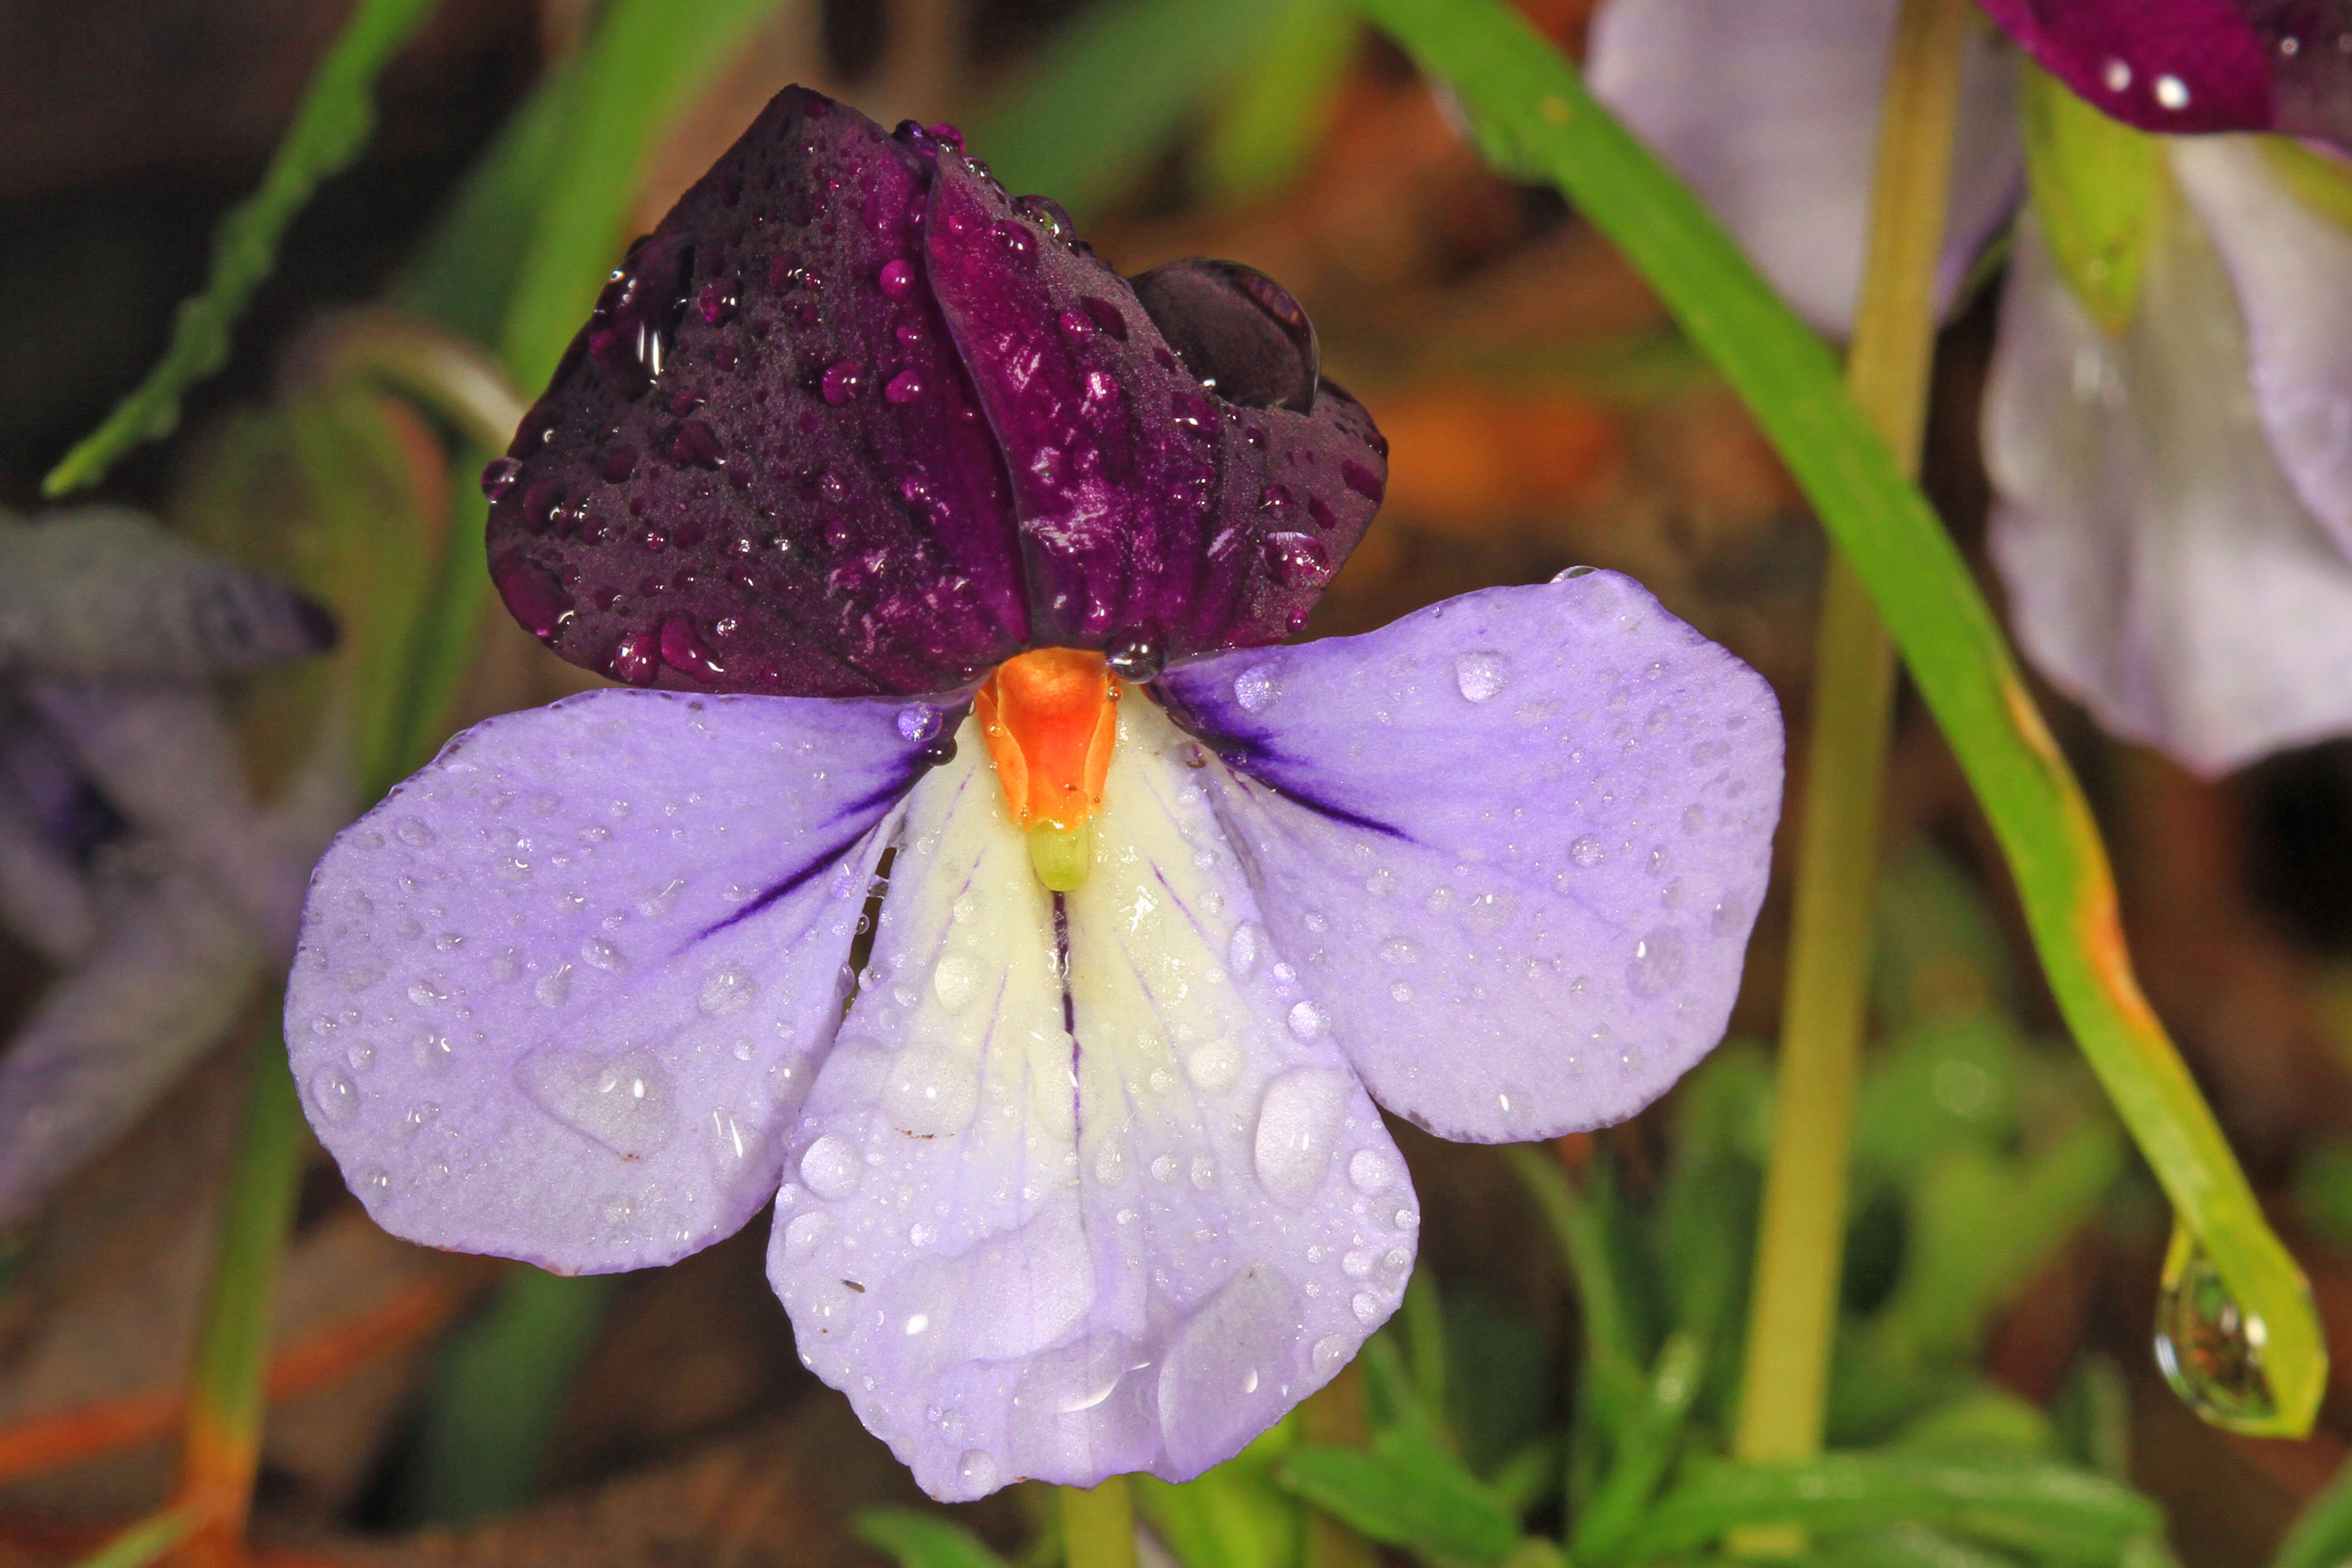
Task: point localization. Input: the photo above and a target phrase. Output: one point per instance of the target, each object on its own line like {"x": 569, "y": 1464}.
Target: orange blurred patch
{"x": 1463, "y": 458}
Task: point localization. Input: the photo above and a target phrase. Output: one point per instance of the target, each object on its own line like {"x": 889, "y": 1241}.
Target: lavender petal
{"x": 1513, "y": 844}
{"x": 557, "y": 996}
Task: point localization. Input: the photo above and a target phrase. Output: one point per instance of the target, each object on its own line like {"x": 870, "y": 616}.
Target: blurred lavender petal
{"x": 103, "y": 593}
{"x": 2162, "y": 568}
{"x": 1770, "y": 108}
{"x": 2292, "y": 270}
{"x": 163, "y": 758}
{"x": 175, "y": 966}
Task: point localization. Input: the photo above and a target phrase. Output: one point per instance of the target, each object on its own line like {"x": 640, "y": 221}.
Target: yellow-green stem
{"x": 226, "y": 1401}
{"x": 1098, "y": 1525}
{"x": 1793, "y": 1313}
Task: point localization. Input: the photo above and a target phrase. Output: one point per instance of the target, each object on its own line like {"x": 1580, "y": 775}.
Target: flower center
{"x": 1050, "y": 716}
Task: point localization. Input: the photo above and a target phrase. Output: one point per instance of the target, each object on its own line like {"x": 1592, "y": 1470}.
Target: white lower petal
{"x": 1027, "y": 1254}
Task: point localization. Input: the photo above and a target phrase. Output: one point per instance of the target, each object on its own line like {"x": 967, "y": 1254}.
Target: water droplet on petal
{"x": 1298, "y": 1126}
{"x": 554, "y": 987}
{"x": 1371, "y": 1171}
{"x": 930, "y": 1094}
{"x": 976, "y": 1471}
{"x": 1587, "y": 851}
{"x": 957, "y": 980}
{"x": 1255, "y": 688}
{"x": 1243, "y": 952}
{"x": 830, "y": 1168}
{"x": 728, "y": 989}
{"x": 623, "y": 1102}
{"x": 1331, "y": 1354}
{"x": 1657, "y": 962}
{"x": 920, "y": 722}
{"x": 336, "y": 1097}
{"x": 1479, "y": 675}
{"x": 598, "y": 954}
{"x": 415, "y": 832}
{"x": 1215, "y": 1066}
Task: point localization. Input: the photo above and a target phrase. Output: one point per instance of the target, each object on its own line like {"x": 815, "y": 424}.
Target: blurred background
{"x": 1542, "y": 412}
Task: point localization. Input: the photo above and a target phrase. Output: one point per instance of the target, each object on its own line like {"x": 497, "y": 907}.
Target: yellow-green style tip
{"x": 1061, "y": 854}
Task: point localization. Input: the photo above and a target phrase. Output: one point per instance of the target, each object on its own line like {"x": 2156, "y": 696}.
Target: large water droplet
{"x": 957, "y": 980}
{"x": 1479, "y": 675}
{"x": 830, "y": 1168}
{"x": 1298, "y": 1126}
{"x": 1243, "y": 952}
{"x": 976, "y": 1472}
{"x": 930, "y": 1093}
{"x": 336, "y": 1097}
{"x": 1213, "y": 1066}
{"x": 1657, "y": 962}
{"x": 728, "y": 989}
{"x": 1237, "y": 331}
{"x": 2210, "y": 1348}
{"x": 1255, "y": 688}
{"x": 624, "y": 1101}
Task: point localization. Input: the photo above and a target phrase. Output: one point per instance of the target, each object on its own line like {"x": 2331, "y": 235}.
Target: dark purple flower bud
{"x": 2183, "y": 66}
{"x": 852, "y": 421}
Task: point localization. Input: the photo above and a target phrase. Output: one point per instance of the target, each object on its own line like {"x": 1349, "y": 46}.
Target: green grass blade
{"x": 914, "y": 1540}
{"x": 337, "y": 116}
{"x": 641, "y": 66}
{"x": 1535, "y": 114}
{"x": 1107, "y": 94}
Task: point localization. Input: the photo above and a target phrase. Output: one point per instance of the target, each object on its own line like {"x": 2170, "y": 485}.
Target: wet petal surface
{"x": 1028, "y": 1254}
{"x": 1151, "y": 510}
{"x": 1513, "y": 845}
{"x": 2161, "y": 568}
{"x": 762, "y": 467}
{"x": 557, "y": 996}
{"x": 2183, "y": 66}
{"x": 1770, "y": 108}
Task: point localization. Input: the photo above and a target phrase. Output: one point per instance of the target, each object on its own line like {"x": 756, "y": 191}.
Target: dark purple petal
{"x": 1513, "y": 845}
{"x": 1152, "y": 510}
{"x": 557, "y": 996}
{"x": 760, "y": 467}
{"x": 2181, "y": 66}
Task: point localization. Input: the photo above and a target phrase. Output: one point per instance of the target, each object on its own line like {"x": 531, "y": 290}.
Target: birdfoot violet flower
{"x": 962, "y": 558}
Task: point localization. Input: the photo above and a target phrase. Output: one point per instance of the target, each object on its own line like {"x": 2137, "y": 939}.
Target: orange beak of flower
{"x": 1050, "y": 717}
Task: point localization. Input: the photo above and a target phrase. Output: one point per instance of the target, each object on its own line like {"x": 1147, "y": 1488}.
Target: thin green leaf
{"x": 1281, "y": 104}
{"x": 1529, "y": 100}
{"x": 1232, "y": 1515}
{"x": 1643, "y": 1454}
{"x": 496, "y": 1394}
{"x": 2322, "y": 1537}
{"x": 1112, "y": 87}
{"x": 1408, "y": 1493}
{"x": 642, "y": 65}
{"x": 923, "y": 1539}
{"x": 2049, "y": 1509}
{"x": 1908, "y": 1546}
{"x": 334, "y": 122}
{"x": 145, "y": 1541}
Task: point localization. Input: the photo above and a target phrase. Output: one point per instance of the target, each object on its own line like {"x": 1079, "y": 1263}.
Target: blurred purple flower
{"x": 131, "y": 856}
{"x": 1067, "y": 1183}
{"x": 2173, "y": 498}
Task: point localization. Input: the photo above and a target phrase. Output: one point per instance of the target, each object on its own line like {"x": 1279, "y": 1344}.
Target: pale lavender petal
{"x": 2292, "y": 270}
{"x": 559, "y": 994}
{"x": 162, "y": 757}
{"x": 1513, "y": 844}
{"x": 2161, "y": 569}
{"x": 44, "y": 899}
{"x": 1023, "y": 1254}
{"x": 172, "y": 968}
{"x": 1770, "y": 108}
{"x": 102, "y": 594}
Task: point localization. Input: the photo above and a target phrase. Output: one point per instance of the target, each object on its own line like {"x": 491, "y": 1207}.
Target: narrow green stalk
{"x": 1608, "y": 1327}
{"x": 145, "y": 1541}
{"x": 1533, "y": 113}
{"x": 1098, "y": 1525}
{"x": 225, "y": 1398}
{"x": 1792, "y": 1316}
